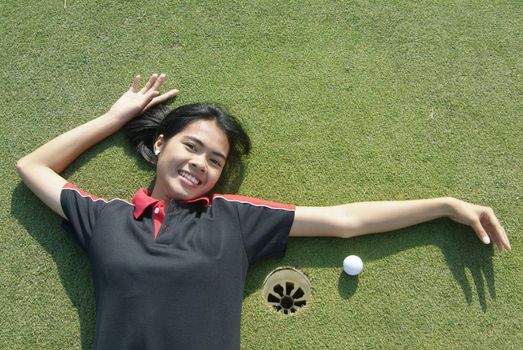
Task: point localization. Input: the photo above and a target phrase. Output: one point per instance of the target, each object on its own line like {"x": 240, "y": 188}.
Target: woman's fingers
{"x": 485, "y": 224}
{"x": 135, "y": 84}
{"x": 151, "y": 90}
{"x": 149, "y": 97}
{"x": 496, "y": 232}
{"x": 491, "y": 225}
{"x": 162, "y": 98}
{"x": 480, "y": 232}
{"x": 158, "y": 83}
{"x": 154, "y": 83}
{"x": 505, "y": 240}
{"x": 149, "y": 84}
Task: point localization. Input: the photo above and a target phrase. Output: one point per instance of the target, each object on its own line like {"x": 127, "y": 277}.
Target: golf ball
{"x": 352, "y": 265}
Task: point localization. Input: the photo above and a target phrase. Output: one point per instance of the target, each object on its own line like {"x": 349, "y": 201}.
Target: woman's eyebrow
{"x": 201, "y": 144}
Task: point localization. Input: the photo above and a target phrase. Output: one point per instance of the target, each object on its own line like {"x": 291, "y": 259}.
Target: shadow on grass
{"x": 347, "y": 286}
{"x": 461, "y": 249}
{"x": 71, "y": 261}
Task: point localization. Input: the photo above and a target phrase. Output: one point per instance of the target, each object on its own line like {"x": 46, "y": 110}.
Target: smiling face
{"x": 190, "y": 163}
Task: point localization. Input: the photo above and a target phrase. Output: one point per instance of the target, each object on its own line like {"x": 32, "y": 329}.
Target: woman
{"x": 169, "y": 268}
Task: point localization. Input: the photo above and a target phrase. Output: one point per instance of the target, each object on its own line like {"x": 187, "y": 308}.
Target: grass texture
{"x": 344, "y": 100}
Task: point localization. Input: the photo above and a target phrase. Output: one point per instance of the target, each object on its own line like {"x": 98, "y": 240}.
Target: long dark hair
{"x": 143, "y": 131}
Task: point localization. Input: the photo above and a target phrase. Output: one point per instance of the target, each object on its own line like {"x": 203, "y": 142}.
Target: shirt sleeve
{"x": 82, "y": 210}
{"x": 265, "y": 226}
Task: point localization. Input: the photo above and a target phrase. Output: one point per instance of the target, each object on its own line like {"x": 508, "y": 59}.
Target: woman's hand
{"x": 135, "y": 101}
{"x": 483, "y": 221}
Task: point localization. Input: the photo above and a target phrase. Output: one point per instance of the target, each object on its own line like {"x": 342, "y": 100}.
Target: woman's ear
{"x": 158, "y": 144}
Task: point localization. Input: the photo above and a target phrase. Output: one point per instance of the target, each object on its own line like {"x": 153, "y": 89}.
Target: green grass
{"x": 344, "y": 101}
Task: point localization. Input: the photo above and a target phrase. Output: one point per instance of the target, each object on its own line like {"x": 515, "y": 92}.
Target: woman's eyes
{"x": 190, "y": 146}
{"x": 216, "y": 162}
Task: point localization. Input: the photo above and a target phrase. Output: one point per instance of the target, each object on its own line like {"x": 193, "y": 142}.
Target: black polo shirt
{"x": 171, "y": 275}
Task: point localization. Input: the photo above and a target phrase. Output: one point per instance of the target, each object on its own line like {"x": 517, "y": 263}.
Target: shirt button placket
{"x": 165, "y": 235}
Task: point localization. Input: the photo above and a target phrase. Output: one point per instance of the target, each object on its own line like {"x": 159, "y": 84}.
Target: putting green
{"x": 344, "y": 101}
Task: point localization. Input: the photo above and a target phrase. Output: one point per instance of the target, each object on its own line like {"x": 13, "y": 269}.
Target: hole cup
{"x": 287, "y": 290}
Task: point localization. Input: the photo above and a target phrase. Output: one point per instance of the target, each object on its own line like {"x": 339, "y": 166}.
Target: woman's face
{"x": 190, "y": 163}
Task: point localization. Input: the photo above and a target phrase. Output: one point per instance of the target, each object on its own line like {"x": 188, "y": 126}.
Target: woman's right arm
{"x": 40, "y": 169}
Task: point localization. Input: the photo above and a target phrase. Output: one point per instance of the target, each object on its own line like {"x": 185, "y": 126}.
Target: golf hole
{"x": 287, "y": 290}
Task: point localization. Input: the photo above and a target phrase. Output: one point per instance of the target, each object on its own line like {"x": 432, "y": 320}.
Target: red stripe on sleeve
{"x": 82, "y": 192}
{"x": 255, "y": 202}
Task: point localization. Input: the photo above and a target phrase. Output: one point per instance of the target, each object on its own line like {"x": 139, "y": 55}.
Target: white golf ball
{"x": 352, "y": 265}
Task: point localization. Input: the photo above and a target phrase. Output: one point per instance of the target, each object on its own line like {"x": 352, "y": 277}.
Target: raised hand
{"x": 135, "y": 100}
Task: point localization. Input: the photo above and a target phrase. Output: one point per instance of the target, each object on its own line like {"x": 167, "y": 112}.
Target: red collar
{"x": 142, "y": 200}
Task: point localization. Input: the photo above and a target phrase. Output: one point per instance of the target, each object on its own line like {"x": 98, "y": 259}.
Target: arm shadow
{"x": 459, "y": 245}
{"x": 72, "y": 262}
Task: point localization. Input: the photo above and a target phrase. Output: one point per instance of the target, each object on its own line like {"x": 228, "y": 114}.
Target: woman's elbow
{"x": 21, "y": 166}
{"x": 26, "y": 168}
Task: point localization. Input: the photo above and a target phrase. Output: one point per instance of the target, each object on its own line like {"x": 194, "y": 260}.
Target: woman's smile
{"x": 188, "y": 178}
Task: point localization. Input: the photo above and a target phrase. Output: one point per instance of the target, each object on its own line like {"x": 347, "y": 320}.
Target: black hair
{"x": 143, "y": 131}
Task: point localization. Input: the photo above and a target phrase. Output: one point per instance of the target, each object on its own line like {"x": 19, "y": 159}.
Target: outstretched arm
{"x": 357, "y": 219}
{"x": 40, "y": 169}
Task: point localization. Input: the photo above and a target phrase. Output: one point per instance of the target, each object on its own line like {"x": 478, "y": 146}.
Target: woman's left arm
{"x": 358, "y": 219}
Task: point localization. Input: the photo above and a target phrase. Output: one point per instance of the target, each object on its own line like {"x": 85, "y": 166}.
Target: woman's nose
{"x": 198, "y": 163}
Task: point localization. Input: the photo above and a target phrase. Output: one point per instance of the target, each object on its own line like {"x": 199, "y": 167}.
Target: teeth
{"x": 189, "y": 177}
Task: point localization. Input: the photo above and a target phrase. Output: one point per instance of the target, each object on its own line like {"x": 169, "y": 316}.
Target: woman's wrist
{"x": 117, "y": 116}
{"x": 448, "y": 206}
{"x": 439, "y": 207}
{"x": 115, "y": 120}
